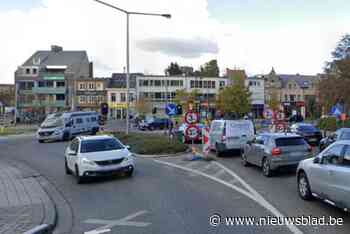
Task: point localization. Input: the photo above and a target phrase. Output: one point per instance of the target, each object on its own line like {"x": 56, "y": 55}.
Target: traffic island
{"x": 151, "y": 144}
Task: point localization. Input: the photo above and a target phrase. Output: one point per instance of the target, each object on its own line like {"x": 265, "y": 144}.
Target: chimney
{"x": 56, "y": 48}
{"x": 91, "y": 69}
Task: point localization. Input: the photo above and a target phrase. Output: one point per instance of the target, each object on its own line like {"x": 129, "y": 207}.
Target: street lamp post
{"x": 128, "y": 51}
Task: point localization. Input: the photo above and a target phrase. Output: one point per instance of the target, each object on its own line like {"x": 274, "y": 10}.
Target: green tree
{"x": 143, "y": 106}
{"x": 210, "y": 69}
{"x": 274, "y": 101}
{"x": 184, "y": 98}
{"x": 173, "y": 69}
{"x": 234, "y": 99}
{"x": 334, "y": 87}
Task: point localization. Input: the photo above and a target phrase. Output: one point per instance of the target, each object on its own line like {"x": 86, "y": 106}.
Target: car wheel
{"x": 244, "y": 160}
{"x": 41, "y": 141}
{"x": 65, "y": 136}
{"x": 266, "y": 168}
{"x": 183, "y": 139}
{"x": 80, "y": 179}
{"x": 217, "y": 151}
{"x": 129, "y": 173}
{"x": 68, "y": 171}
{"x": 304, "y": 187}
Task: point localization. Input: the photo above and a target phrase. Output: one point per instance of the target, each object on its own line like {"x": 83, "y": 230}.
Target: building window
{"x": 122, "y": 97}
{"x": 295, "y": 86}
{"x": 213, "y": 86}
{"x": 60, "y": 84}
{"x": 286, "y": 98}
{"x": 258, "y": 83}
{"x": 158, "y": 95}
{"x": 91, "y": 86}
{"x": 151, "y": 82}
{"x": 222, "y": 84}
{"x": 27, "y": 71}
{"x": 35, "y": 71}
{"x": 292, "y": 98}
{"x": 181, "y": 83}
{"x": 113, "y": 97}
{"x": 59, "y": 97}
{"x": 192, "y": 84}
{"x": 157, "y": 83}
{"x": 82, "y": 99}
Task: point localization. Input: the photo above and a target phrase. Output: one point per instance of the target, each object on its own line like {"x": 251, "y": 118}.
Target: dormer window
{"x": 35, "y": 71}
{"x": 27, "y": 71}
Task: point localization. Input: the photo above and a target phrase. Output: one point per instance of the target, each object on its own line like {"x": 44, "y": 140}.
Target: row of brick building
{"x": 59, "y": 80}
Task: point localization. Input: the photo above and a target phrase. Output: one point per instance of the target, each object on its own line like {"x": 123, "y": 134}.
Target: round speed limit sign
{"x": 191, "y": 117}
{"x": 192, "y": 132}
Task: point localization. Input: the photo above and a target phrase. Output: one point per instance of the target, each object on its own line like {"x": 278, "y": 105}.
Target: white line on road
{"x": 120, "y": 222}
{"x": 98, "y": 231}
{"x": 254, "y": 195}
{"x": 219, "y": 173}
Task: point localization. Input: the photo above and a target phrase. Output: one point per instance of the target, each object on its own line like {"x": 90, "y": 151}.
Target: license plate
{"x": 294, "y": 154}
{"x": 313, "y": 139}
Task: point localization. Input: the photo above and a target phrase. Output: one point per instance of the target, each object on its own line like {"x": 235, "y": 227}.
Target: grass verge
{"x": 150, "y": 144}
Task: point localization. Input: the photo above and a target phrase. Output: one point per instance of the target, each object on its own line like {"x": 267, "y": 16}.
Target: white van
{"x": 64, "y": 126}
{"x": 227, "y": 135}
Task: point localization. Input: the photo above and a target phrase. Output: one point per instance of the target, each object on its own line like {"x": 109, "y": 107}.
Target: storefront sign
{"x": 117, "y": 105}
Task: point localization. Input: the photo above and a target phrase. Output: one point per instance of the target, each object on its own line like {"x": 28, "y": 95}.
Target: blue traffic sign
{"x": 171, "y": 109}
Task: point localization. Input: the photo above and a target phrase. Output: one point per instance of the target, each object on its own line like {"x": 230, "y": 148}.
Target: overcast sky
{"x": 292, "y": 36}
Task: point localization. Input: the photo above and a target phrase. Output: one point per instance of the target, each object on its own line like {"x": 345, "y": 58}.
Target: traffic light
{"x": 154, "y": 110}
{"x": 179, "y": 109}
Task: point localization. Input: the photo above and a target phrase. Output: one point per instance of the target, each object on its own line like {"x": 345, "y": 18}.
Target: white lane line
{"x": 255, "y": 196}
{"x": 219, "y": 173}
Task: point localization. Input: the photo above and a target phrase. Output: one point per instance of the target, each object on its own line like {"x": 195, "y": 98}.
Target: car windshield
{"x": 52, "y": 122}
{"x": 345, "y": 135}
{"x": 290, "y": 141}
{"x": 89, "y": 146}
{"x": 307, "y": 128}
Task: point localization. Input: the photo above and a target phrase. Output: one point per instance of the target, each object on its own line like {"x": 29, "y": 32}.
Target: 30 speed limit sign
{"x": 191, "y": 117}
{"x": 192, "y": 132}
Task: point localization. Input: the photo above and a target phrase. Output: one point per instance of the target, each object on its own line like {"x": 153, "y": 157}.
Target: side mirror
{"x": 317, "y": 160}
{"x": 128, "y": 147}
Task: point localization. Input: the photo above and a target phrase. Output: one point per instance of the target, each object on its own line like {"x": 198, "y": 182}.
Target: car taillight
{"x": 309, "y": 148}
{"x": 276, "y": 151}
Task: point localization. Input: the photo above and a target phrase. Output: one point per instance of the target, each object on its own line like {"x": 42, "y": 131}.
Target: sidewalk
{"x": 24, "y": 204}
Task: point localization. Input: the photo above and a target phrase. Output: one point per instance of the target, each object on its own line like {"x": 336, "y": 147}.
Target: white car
{"x": 91, "y": 156}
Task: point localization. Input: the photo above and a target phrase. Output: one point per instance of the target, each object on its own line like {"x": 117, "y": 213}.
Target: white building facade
{"x": 162, "y": 89}
{"x": 257, "y": 90}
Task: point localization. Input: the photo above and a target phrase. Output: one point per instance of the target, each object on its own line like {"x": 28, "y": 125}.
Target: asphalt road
{"x": 171, "y": 195}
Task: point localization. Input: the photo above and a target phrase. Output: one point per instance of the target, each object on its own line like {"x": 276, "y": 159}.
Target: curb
{"x": 161, "y": 155}
{"x": 49, "y": 221}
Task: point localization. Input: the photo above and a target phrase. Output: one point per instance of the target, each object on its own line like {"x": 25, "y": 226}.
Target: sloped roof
{"x": 303, "y": 81}
{"x": 48, "y": 57}
{"x": 118, "y": 80}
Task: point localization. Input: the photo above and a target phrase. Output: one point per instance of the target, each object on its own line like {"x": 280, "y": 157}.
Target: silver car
{"x": 274, "y": 150}
{"x": 327, "y": 176}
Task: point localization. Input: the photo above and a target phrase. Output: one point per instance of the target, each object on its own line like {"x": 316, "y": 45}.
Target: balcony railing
{"x": 37, "y": 103}
{"x": 49, "y": 90}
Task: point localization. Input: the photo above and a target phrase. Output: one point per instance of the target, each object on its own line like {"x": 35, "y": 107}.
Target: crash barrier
{"x": 41, "y": 229}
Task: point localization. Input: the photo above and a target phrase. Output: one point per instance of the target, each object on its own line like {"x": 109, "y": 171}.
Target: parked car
{"x": 154, "y": 124}
{"x": 340, "y": 134}
{"x": 66, "y": 125}
{"x": 327, "y": 176}
{"x": 91, "y": 156}
{"x": 271, "y": 151}
{"x": 180, "y": 133}
{"x": 225, "y": 135}
{"x": 310, "y": 133}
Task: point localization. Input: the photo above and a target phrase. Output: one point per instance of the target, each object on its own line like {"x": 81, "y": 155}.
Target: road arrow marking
{"x": 108, "y": 224}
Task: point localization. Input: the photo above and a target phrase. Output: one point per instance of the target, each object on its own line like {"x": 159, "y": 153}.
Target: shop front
{"x": 117, "y": 110}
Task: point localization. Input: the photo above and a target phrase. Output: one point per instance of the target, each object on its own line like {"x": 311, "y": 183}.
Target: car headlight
{"x": 58, "y": 131}
{"x": 88, "y": 162}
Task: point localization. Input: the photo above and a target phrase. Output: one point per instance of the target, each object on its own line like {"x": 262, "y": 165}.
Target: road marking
{"x": 254, "y": 195}
{"x": 108, "y": 224}
{"x": 219, "y": 173}
{"x": 98, "y": 231}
